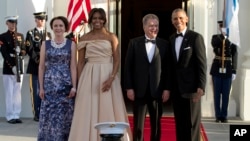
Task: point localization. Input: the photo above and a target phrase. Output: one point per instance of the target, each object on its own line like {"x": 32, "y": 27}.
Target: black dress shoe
{"x": 19, "y": 121}
{"x": 217, "y": 120}
{"x": 224, "y": 120}
{"x": 12, "y": 121}
{"x": 36, "y": 119}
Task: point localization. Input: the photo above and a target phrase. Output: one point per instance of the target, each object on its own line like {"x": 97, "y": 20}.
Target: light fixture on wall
{"x": 184, "y": 4}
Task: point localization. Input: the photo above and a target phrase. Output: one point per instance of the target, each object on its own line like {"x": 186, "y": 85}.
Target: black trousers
{"x": 187, "y": 118}
{"x": 140, "y": 108}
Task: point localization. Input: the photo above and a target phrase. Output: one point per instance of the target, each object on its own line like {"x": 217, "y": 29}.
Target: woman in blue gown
{"x": 57, "y": 81}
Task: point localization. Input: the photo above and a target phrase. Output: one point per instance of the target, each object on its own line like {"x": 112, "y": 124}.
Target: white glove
{"x": 14, "y": 69}
{"x": 233, "y": 76}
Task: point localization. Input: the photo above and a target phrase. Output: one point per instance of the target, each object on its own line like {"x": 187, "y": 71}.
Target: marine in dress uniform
{"x": 223, "y": 71}
{"x": 34, "y": 38}
{"x": 111, "y": 131}
{"x": 12, "y": 49}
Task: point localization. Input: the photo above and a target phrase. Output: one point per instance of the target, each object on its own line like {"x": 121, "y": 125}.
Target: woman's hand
{"x": 72, "y": 93}
{"x": 107, "y": 84}
{"x": 41, "y": 94}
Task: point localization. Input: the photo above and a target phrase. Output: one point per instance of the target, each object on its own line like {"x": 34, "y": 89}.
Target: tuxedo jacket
{"x": 189, "y": 70}
{"x": 139, "y": 72}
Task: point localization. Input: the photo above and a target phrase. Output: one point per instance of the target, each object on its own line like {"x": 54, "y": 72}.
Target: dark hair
{"x": 63, "y": 19}
{"x": 95, "y": 10}
{"x": 179, "y": 10}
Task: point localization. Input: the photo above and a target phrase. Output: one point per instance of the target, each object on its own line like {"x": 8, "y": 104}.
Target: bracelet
{"x": 73, "y": 89}
{"x": 112, "y": 76}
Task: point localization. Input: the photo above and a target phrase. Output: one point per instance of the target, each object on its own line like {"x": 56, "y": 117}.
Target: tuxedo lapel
{"x": 143, "y": 48}
{"x": 183, "y": 45}
{"x": 173, "y": 48}
{"x": 156, "y": 52}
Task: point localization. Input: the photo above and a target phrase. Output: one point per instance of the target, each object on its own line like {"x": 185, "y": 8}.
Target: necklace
{"x": 58, "y": 44}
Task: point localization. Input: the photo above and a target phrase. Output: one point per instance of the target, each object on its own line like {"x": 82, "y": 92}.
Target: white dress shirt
{"x": 40, "y": 30}
{"x": 178, "y": 42}
{"x": 150, "y": 48}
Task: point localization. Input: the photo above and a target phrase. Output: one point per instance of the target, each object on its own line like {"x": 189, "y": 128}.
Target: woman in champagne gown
{"x": 99, "y": 96}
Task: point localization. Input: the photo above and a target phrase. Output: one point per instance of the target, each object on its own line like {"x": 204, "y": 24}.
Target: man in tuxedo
{"x": 188, "y": 72}
{"x": 223, "y": 71}
{"x": 143, "y": 68}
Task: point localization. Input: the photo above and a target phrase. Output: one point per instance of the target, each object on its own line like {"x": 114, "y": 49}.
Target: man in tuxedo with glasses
{"x": 143, "y": 70}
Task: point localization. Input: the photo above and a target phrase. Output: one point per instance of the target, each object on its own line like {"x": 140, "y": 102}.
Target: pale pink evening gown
{"x": 92, "y": 105}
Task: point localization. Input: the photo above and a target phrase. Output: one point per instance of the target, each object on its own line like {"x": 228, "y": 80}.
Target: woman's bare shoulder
{"x": 112, "y": 37}
{"x": 85, "y": 37}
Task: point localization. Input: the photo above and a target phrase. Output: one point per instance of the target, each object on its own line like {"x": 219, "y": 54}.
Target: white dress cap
{"x": 111, "y": 127}
{"x": 11, "y": 18}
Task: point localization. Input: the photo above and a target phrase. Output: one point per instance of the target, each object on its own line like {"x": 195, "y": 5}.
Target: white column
{"x": 205, "y": 23}
{"x": 244, "y": 57}
{"x": 244, "y": 97}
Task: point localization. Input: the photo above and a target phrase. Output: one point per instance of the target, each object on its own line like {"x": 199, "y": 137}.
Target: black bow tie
{"x": 177, "y": 35}
{"x": 148, "y": 40}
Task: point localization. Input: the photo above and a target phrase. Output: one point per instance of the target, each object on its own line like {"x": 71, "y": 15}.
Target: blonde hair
{"x": 149, "y": 16}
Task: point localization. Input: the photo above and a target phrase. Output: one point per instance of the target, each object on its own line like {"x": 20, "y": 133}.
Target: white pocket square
{"x": 186, "y": 48}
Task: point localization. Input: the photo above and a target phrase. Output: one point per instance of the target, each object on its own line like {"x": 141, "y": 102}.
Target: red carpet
{"x": 168, "y": 129}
